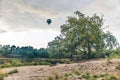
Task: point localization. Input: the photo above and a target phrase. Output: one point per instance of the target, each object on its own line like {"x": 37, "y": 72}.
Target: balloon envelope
{"x": 49, "y": 21}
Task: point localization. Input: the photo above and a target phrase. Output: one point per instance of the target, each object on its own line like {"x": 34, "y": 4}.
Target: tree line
{"x": 22, "y": 52}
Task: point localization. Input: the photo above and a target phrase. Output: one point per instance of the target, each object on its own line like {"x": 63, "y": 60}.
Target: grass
{"x": 51, "y": 78}
{"x": 5, "y": 65}
{"x": 77, "y": 73}
{"x": 90, "y": 76}
{"x": 57, "y": 76}
{"x": 14, "y": 62}
{"x": 2, "y": 75}
{"x": 118, "y": 67}
{"x": 86, "y": 76}
{"x": 108, "y": 60}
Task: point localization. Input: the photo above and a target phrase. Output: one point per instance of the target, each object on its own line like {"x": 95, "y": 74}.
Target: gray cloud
{"x": 26, "y": 14}
{"x": 21, "y": 15}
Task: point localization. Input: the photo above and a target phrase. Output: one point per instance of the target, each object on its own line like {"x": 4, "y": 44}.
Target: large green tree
{"x": 83, "y": 35}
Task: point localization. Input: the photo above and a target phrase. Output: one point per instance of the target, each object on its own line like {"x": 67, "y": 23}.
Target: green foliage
{"x": 13, "y": 71}
{"x": 86, "y": 76}
{"x": 5, "y": 65}
{"x": 11, "y": 62}
{"x": 22, "y": 52}
{"x": 82, "y": 35}
{"x": 118, "y": 67}
{"x": 16, "y": 63}
{"x": 115, "y": 53}
{"x": 2, "y": 75}
{"x": 103, "y": 75}
{"x": 66, "y": 75}
{"x": 77, "y": 73}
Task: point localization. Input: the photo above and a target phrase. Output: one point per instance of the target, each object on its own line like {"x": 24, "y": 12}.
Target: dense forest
{"x": 82, "y": 37}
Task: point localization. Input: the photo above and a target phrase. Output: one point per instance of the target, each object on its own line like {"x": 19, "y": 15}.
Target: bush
{"x": 16, "y": 63}
{"x": 13, "y": 71}
{"x": 77, "y": 73}
{"x": 86, "y": 76}
{"x": 118, "y": 67}
{"x": 9, "y": 62}
{"x": 44, "y": 63}
{"x": 5, "y": 65}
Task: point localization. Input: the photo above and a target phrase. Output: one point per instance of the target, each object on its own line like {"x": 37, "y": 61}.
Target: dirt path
{"x": 43, "y": 72}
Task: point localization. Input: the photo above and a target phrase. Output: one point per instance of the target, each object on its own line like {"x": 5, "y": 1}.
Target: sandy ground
{"x": 43, "y": 72}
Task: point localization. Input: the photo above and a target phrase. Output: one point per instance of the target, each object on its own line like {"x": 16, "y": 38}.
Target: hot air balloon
{"x": 49, "y": 21}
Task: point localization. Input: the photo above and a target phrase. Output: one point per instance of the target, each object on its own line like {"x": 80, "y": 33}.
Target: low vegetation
{"x": 118, "y": 67}
{"x": 84, "y": 70}
{"x": 13, "y": 71}
{"x": 2, "y": 75}
{"x": 14, "y": 62}
{"x": 85, "y": 76}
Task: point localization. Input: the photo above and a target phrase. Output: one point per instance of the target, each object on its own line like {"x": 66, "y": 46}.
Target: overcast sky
{"x": 23, "y": 22}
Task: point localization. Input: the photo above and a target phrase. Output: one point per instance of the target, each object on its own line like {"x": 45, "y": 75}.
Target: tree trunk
{"x": 89, "y": 51}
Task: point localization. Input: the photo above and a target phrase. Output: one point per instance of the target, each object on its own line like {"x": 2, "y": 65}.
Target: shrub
{"x": 95, "y": 76}
{"x": 77, "y": 73}
{"x": 86, "y": 76}
{"x": 113, "y": 78}
{"x": 44, "y": 63}
{"x": 103, "y": 75}
{"x": 13, "y": 71}
{"x": 5, "y": 65}
{"x": 16, "y": 63}
{"x": 66, "y": 75}
{"x": 34, "y": 63}
{"x": 118, "y": 67}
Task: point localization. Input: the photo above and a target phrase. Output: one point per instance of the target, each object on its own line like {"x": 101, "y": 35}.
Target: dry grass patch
{"x": 2, "y": 75}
